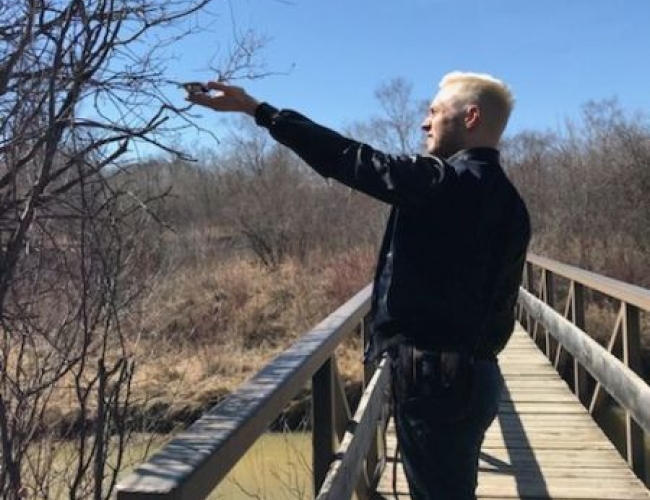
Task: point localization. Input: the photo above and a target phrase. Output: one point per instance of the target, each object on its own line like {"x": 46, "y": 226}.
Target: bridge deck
{"x": 543, "y": 444}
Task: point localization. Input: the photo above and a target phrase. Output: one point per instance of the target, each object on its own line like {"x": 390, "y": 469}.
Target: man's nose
{"x": 426, "y": 125}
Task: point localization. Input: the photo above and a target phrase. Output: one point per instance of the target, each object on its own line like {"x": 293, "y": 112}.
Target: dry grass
{"x": 206, "y": 330}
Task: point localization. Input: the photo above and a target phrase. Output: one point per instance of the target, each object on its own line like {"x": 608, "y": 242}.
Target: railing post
{"x": 368, "y": 368}
{"x": 580, "y": 380}
{"x": 549, "y": 298}
{"x": 323, "y": 422}
{"x": 373, "y": 453}
{"x": 529, "y": 284}
{"x": 631, "y": 357}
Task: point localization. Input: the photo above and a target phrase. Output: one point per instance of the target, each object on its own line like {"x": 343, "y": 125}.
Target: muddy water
{"x": 277, "y": 467}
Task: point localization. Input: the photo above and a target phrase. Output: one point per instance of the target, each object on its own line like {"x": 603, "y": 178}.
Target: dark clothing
{"x": 445, "y": 287}
{"x": 440, "y": 443}
{"x": 453, "y": 252}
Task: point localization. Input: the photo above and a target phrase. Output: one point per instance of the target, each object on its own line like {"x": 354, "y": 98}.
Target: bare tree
{"x": 281, "y": 208}
{"x": 586, "y": 188}
{"x": 397, "y": 128}
{"x": 81, "y": 81}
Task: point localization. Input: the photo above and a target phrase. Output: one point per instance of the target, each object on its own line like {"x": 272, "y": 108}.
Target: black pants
{"x": 441, "y": 429}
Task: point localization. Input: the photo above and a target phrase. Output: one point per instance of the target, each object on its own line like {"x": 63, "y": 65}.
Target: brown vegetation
{"x": 80, "y": 83}
{"x": 587, "y": 190}
{"x": 206, "y": 332}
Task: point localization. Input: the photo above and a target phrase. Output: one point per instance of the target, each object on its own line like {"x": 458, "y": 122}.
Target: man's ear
{"x": 472, "y": 116}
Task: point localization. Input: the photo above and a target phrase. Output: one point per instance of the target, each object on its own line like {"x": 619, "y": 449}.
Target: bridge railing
{"x": 591, "y": 370}
{"x": 193, "y": 463}
{"x": 196, "y": 460}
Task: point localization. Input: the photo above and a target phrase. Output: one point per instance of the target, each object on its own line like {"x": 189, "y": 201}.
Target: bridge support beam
{"x": 634, "y": 440}
{"x": 323, "y": 422}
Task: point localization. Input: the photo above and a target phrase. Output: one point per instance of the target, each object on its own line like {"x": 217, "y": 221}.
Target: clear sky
{"x": 555, "y": 54}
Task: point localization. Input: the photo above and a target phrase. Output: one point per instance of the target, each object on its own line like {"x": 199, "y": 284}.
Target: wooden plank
{"x": 625, "y": 386}
{"x": 540, "y": 408}
{"x": 323, "y": 420}
{"x": 538, "y": 397}
{"x": 506, "y": 487}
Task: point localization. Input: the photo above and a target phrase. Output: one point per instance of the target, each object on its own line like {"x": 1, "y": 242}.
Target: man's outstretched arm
{"x": 400, "y": 180}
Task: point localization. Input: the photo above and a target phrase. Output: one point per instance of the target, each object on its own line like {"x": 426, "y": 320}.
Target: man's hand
{"x": 227, "y": 98}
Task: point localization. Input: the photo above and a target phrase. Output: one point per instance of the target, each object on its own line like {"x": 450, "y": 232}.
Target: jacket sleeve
{"x": 398, "y": 180}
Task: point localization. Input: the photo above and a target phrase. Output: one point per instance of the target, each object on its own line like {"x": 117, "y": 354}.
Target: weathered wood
{"x": 346, "y": 469}
{"x": 529, "y": 284}
{"x": 342, "y": 413}
{"x": 323, "y": 422}
{"x": 192, "y": 463}
{"x": 580, "y": 380}
{"x": 598, "y": 397}
{"x": 368, "y": 368}
{"x": 549, "y": 299}
{"x": 625, "y": 386}
{"x": 634, "y": 295}
{"x": 634, "y": 439}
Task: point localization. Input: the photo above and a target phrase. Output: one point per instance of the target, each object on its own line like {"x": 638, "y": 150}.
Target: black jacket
{"x": 455, "y": 245}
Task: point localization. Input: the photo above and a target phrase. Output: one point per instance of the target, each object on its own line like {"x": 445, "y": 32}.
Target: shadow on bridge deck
{"x": 543, "y": 445}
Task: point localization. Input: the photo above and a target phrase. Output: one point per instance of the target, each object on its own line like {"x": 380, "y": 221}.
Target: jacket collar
{"x": 489, "y": 155}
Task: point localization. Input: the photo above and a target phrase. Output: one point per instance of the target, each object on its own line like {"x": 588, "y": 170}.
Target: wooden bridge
{"x": 545, "y": 442}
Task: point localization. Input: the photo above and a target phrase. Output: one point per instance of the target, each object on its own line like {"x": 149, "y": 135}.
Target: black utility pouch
{"x": 436, "y": 385}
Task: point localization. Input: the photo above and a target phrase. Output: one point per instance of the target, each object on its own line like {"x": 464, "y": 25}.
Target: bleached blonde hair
{"x": 493, "y": 97}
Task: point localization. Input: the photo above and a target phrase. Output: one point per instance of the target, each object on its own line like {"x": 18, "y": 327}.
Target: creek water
{"x": 276, "y": 467}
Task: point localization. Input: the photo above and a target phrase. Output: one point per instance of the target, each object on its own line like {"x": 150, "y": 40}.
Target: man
{"x": 448, "y": 271}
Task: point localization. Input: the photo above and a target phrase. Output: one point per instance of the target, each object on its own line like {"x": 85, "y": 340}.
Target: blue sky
{"x": 555, "y": 54}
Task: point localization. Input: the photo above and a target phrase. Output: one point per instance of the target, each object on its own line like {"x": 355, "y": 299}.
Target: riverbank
{"x": 201, "y": 332}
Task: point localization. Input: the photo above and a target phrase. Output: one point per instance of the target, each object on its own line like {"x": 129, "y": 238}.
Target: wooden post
{"x": 372, "y": 458}
{"x": 549, "y": 298}
{"x": 530, "y": 282}
{"x": 368, "y": 368}
{"x": 323, "y": 422}
{"x": 631, "y": 358}
{"x": 530, "y": 286}
{"x": 580, "y": 380}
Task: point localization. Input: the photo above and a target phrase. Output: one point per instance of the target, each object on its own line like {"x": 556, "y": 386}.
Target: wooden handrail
{"x": 195, "y": 461}
{"x": 634, "y": 295}
{"x": 344, "y": 472}
{"x": 618, "y": 376}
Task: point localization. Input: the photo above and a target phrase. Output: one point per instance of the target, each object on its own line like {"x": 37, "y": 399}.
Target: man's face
{"x": 444, "y": 125}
